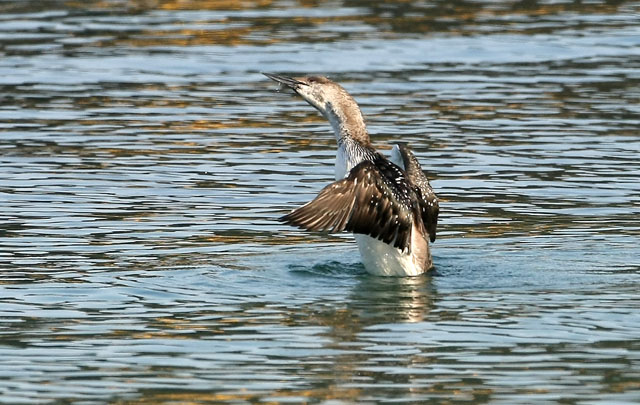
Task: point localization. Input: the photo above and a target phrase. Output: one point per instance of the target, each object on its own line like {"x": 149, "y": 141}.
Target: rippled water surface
{"x": 144, "y": 162}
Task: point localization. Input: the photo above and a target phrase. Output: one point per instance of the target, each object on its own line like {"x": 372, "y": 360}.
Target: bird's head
{"x": 328, "y": 97}
{"x": 332, "y": 101}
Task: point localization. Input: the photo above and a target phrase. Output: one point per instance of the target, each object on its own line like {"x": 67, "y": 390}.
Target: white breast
{"x": 382, "y": 259}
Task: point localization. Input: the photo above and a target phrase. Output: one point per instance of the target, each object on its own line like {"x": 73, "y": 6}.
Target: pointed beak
{"x": 285, "y": 80}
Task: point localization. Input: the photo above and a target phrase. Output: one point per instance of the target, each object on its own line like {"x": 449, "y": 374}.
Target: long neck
{"x": 347, "y": 122}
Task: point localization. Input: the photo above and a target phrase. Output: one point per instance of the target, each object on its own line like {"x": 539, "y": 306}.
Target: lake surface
{"x": 144, "y": 161}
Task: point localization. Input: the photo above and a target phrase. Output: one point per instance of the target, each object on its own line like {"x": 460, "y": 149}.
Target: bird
{"x": 387, "y": 203}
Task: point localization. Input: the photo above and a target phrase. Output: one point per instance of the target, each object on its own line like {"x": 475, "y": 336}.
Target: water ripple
{"x": 145, "y": 161}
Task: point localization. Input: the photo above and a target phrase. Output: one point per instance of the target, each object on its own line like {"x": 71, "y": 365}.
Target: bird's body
{"x": 388, "y": 205}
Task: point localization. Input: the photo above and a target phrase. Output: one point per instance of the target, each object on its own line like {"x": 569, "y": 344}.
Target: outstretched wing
{"x": 374, "y": 200}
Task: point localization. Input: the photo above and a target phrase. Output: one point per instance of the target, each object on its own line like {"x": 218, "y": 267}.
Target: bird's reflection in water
{"x": 393, "y": 299}
{"x": 372, "y": 300}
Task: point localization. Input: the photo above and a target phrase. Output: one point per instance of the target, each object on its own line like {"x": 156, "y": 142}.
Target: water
{"x": 144, "y": 161}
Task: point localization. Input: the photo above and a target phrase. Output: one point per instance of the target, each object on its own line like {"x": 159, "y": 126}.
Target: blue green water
{"x": 145, "y": 159}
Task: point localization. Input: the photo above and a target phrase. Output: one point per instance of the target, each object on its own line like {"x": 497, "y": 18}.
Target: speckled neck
{"x": 347, "y": 121}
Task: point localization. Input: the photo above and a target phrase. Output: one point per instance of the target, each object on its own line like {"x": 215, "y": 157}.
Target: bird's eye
{"x": 313, "y": 79}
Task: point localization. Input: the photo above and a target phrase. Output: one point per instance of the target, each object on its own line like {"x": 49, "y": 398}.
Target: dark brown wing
{"x": 374, "y": 200}
{"x": 427, "y": 199}
{"x": 429, "y": 209}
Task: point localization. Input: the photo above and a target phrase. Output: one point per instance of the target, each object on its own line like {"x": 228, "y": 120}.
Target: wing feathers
{"x": 429, "y": 207}
{"x": 373, "y": 200}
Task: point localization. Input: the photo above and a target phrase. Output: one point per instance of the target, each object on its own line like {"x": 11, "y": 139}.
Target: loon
{"x": 388, "y": 204}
